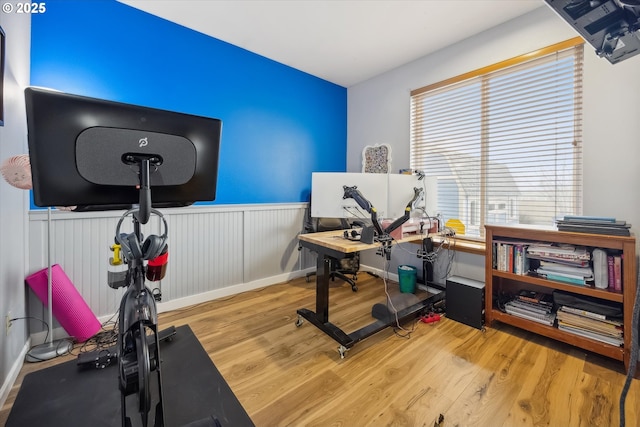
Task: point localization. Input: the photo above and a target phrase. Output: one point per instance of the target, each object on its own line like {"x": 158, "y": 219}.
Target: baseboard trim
{"x": 13, "y": 374}
{"x": 229, "y": 290}
{"x": 380, "y": 272}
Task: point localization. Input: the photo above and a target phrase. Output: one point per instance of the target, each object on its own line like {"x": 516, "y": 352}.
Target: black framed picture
{"x": 2, "y": 37}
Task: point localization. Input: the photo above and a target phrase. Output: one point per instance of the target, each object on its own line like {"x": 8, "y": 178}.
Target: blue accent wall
{"x": 279, "y": 124}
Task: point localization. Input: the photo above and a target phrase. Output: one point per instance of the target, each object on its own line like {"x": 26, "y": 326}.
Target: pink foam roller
{"x": 69, "y": 308}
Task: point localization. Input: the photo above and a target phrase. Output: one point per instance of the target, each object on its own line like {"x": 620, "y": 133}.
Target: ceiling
{"x": 343, "y": 41}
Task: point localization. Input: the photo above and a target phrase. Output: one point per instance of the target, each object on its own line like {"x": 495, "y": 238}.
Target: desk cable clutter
{"x": 376, "y": 233}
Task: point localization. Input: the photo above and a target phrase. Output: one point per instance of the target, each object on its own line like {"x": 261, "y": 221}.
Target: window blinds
{"x": 505, "y": 141}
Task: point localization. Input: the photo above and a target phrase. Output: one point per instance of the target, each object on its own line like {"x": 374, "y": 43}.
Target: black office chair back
{"x": 330, "y": 224}
{"x": 314, "y": 224}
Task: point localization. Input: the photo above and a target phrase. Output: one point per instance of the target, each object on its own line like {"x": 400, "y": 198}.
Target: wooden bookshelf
{"x": 497, "y": 282}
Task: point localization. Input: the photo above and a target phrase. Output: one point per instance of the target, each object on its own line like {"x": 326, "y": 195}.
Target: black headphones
{"x": 351, "y": 235}
{"x": 152, "y": 247}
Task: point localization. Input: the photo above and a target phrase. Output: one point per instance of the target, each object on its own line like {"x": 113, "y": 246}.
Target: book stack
{"x": 589, "y": 317}
{"x": 590, "y": 324}
{"x": 511, "y": 256}
{"x": 594, "y": 225}
{"x": 535, "y": 306}
{"x": 575, "y": 275}
{"x": 563, "y": 263}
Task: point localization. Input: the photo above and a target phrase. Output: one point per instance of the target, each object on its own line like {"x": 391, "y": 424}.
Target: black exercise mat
{"x": 67, "y": 396}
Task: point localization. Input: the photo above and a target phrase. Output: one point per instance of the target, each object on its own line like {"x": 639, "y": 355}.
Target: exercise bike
{"x": 138, "y": 336}
{"x": 94, "y": 154}
{"x": 138, "y": 347}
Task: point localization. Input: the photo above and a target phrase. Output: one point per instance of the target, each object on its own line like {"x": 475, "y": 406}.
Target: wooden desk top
{"x": 335, "y": 240}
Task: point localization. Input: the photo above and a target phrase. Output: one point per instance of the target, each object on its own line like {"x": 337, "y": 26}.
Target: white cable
{"x": 385, "y": 277}
{"x": 386, "y": 291}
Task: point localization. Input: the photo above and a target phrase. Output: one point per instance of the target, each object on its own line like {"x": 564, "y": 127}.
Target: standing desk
{"x": 332, "y": 244}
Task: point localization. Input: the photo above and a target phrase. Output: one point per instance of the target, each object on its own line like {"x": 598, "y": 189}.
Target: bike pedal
{"x": 96, "y": 359}
{"x": 167, "y": 334}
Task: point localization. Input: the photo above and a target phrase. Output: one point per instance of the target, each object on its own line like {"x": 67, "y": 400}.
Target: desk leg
{"x": 323, "y": 271}
{"x": 320, "y": 318}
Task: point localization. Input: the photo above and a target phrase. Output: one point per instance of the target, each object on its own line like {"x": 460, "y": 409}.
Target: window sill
{"x": 457, "y": 243}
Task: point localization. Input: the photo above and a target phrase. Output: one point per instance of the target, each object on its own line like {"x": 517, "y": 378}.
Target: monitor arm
{"x": 143, "y": 162}
{"x": 418, "y": 196}
{"x": 383, "y": 234}
{"x": 355, "y": 194}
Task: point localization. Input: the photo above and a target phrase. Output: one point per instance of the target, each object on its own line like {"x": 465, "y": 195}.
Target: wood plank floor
{"x": 293, "y": 376}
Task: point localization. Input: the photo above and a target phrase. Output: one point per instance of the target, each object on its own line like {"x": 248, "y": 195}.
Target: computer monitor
{"x": 327, "y": 193}
{"x": 81, "y": 152}
{"x": 400, "y": 190}
{"x": 388, "y": 193}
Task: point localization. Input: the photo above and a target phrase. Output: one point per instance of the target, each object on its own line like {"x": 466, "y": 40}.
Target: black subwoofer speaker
{"x": 465, "y": 301}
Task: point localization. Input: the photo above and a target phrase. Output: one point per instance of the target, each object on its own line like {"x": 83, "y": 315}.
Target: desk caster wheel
{"x": 343, "y": 351}
{"x": 299, "y": 321}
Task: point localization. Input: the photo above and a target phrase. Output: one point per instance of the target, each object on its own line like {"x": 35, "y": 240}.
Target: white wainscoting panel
{"x": 213, "y": 251}
{"x": 267, "y": 233}
{"x": 205, "y": 253}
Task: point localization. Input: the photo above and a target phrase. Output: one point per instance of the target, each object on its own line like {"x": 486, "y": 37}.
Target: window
{"x": 504, "y": 142}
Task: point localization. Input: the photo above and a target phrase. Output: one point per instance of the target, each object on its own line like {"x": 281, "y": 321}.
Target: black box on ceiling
{"x": 610, "y": 26}
{"x": 465, "y": 301}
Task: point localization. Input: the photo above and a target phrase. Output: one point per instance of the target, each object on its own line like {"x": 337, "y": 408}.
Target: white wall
{"x": 378, "y": 112}
{"x": 13, "y": 202}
